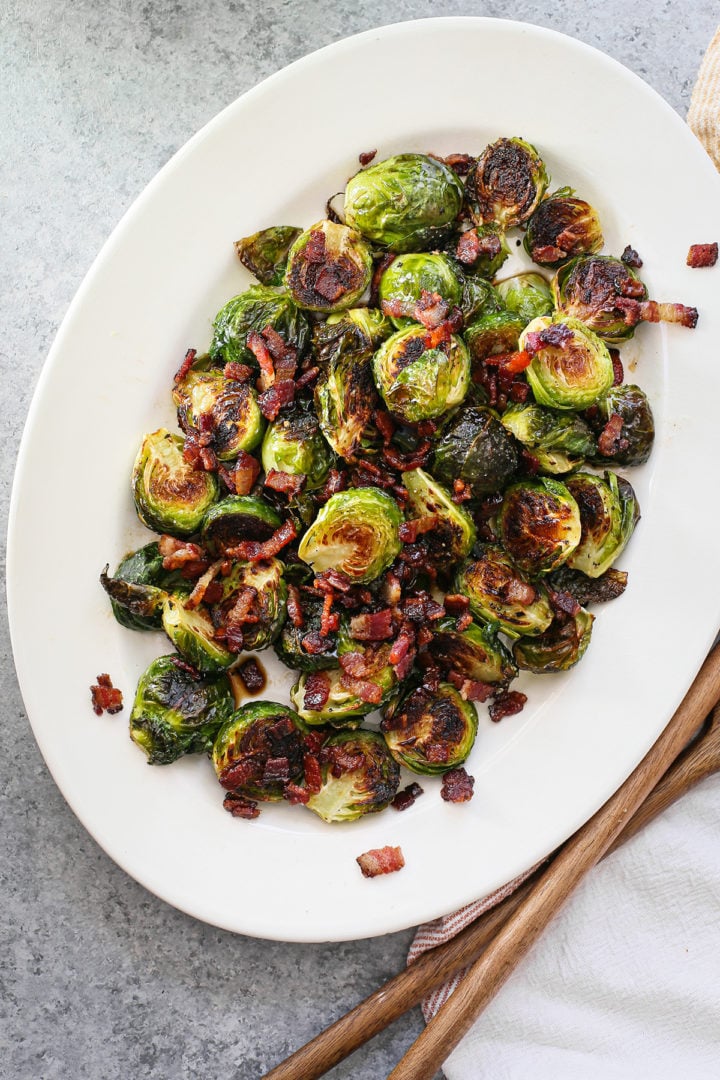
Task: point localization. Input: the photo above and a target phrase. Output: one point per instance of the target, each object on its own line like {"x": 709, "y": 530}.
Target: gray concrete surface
{"x": 98, "y": 979}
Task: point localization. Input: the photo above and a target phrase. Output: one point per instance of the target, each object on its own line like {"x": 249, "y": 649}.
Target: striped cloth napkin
{"x": 625, "y": 984}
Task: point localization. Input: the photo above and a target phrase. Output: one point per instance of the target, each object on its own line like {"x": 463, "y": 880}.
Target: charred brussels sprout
{"x": 431, "y": 732}
{"x": 476, "y": 653}
{"x": 539, "y": 524}
{"x": 571, "y": 367}
{"x": 294, "y": 444}
{"x": 368, "y": 323}
{"x": 359, "y": 777}
{"x": 343, "y": 706}
{"x": 527, "y": 295}
{"x": 141, "y": 608}
{"x": 329, "y": 267}
{"x": 453, "y": 534}
{"x": 192, "y": 632}
{"x": 506, "y": 184}
{"x": 476, "y": 449}
{"x": 265, "y": 579}
{"x": 492, "y": 334}
{"x": 265, "y": 253}
{"x": 170, "y": 495}
{"x": 304, "y": 647}
{"x": 559, "y": 441}
{"x": 254, "y": 310}
{"x": 176, "y": 713}
{"x": 237, "y": 518}
{"x": 592, "y": 288}
{"x": 355, "y": 532}
{"x": 417, "y": 380}
{"x": 223, "y": 409}
{"x": 630, "y": 403}
{"x": 345, "y": 395}
{"x": 404, "y": 203}
{"x": 500, "y": 594}
{"x": 562, "y": 226}
{"x": 408, "y": 276}
{"x": 259, "y": 749}
{"x": 609, "y": 512}
{"x": 559, "y": 648}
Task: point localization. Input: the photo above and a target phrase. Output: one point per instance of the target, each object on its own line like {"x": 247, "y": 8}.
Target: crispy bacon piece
{"x": 366, "y": 690}
{"x": 276, "y": 770}
{"x": 381, "y": 861}
{"x": 470, "y": 689}
{"x": 557, "y": 336}
{"x": 243, "y": 476}
{"x": 106, "y": 697}
{"x": 190, "y": 559}
{"x": 410, "y": 530}
{"x": 237, "y": 372}
{"x": 252, "y": 676}
{"x": 317, "y": 691}
{"x": 284, "y": 356}
{"x": 463, "y": 621}
{"x": 441, "y": 334}
{"x": 272, "y": 400}
{"x": 404, "y": 463}
{"x": 285, "y": 482}
{"x": 294, "y": 608}
{"x": 461, "y": 492}
{"x": 636, "y": 311}
{"x": 239, "y": 806}
{"x": 354, "y": 664}
{"x": 366, "y": 157}
{"x": 631, "y": 258}
{"x": 333, "y": 580}
{"x": 315, "y": 644}
{"x": 306, "y": 378}
{"x": 617, "y": 364}
{"x": 385, "y": 425}
{"x": 702, "y": 255}
{"x": 198, "y": 594}
{"x": 255, "y": 550}
{"x": 563, "y": 602}
{"x": 258, "y": 347}
{"x": 238, "y": 616}
{"x": 312, "y": 773}
{"x": 329, "y": 620}
{"x": 431, "y": 310}
{"x": 296, "y": 794}
{"x": 457, "y": 786}
{"x": 405, "y": 798}
{"x": 511, "y": 363}
{"x": 375, "y": 626}
{"x": 455, "y": 603}
{"x": 471, "y": 246}
{"x": 507, "y": 703}
{"x": 186, "y": 365}
{"x": 335, "y": 482}
{"x": 611, "y": 440}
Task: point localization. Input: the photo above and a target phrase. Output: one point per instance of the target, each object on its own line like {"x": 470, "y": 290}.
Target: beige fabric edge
{"x": 704, "y": 112}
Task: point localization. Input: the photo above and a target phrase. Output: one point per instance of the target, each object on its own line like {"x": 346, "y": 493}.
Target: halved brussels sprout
{"x": 479, "y": 298}
{"x": 265, "y": 253}
{"x": 141, "y": 608}
{"x": 527, "y": 295}
{"x": 359, "y": 777}
{"x": 630, "y": 403}
{"x": 562, "y": 226}
{"x": 257, "y": 308}
{"x": 559, "y": 441}
{"x": 476, "y": 653}
{"x": 408, "y": 276}
{"x": 329, "y": 267}
{"x": 355, "y": 532}
{"x": 500, "y": 594}
{"x": 559, "y": 648}
{"x": 224, "y": 410}
{"x": 253, "y": 744}
{"x": 404, "y": 203}
{"x": 268, "y": 607}
{"x": 294, "y": 444}
{"x": 476, "y": 449}
{"x": 571, "y": 367}
{"x": 417, "y": 380}
{"x": 588, "y": 287}
{"x": 539, "y": 524}
{"x": 192, "y": 632}
{"x": 609, "y": 512}
{"x": 507, "y": 183}
{"x": 345, "y": 395}
{"x": 493, "y": 334}
{"x": 176, "y": 713}
{"x": 304, "y": 648}
{"x": 170, "y": 495}
{"x": 237, "y": 518}
{"x": 453, "y": 535}
{"x": 431, "y": 732}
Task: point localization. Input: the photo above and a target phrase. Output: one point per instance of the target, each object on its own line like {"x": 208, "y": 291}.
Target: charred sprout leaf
{"x": 559, "y": 648}
{"x": 237, "y": 518}
{"x": 359, "y": 777}
{"x": 404, "y": 203}
{"x": 479, "y": 298}
{"x": 303, "y": 647}
{"x": 562, "y": 226}
{"x": 356, "y": 533}
{"x": 453, "y": 533}
{"x": 476, "y": 449}
{"x": 417, "y": 380}
{"x": 571, "y": 367}
{"x": 268, "y": 607}
{"x": 431, "y": 732}
{"x": 408, "y": 276}
{"x": 539, "y": 524}
{"x": 294, "y": 444}
{"x": 259, "y": 749}
{"x": 609, "y": 512}
{"x": 138, "y": 588}
{"x": 630, "y": 403}
{"x": 506, "y": 184}
{"x": 527, "y": 295}
{"x": 192, "y": 632}
{"x": 329, "y": 268}
{"x": 500, "y": 594}
{"x": 222, "y": 409}
{"x": 589, "y": 288}
{"x": 476, "y": 652}
{"x": 254, "y": 310}
{"x": 265, "y": 253}
{"x": 587, "y": 590}
{"x": 170, "y": 495}
{"x": 176, "y": 712}
{"x": 492, "y": 334}
{"x": 559, "y": 441}
{"x": 345, "y": 395}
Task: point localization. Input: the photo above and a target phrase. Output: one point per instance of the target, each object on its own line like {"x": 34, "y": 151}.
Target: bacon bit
{"x": 405, "y": 798}
{"x": 380, "y": 861}
{"x": 314, "y": 740}
{"x": 354, "y": 664}
{"x": 106, "y": 697}
{"x": 441, "y": 335}
{"x": 312, "y": 773}
{"x": 461, "y": 492}
{"x": 618, "y": 371}
{"x": 294, "y": 609}
{"x": 331, "y": 580}
{"x": 636, "y": 311}
{"x": 385, "y": 425}
{"x": 272, "y": 400}
{"x": 514, "y": 362}
{"x": 238, "y": 616}
{"x": 306, "y": 378}
{"x": 376, "y": 626}
{"x": 517, "y": 591}
{"x": 431, "y": 310}
{"x": 284, "y": 356}
{"x": 295, "y": 794}
{"x": 198, "y": 594}
{"x": 463, "y": 621}
{"x": 457, "y": 786}
{"x": 611, "y": 440}
{"x": 252, "y": 676}
{"x": 455, "y": 603}
{"x": 335, "y": 482}
{"x": 240, "y": 807}
{"x": 258, "y": 347}
{"x": 380, "y": 268}
{"x": 631, "y": 258}
{"x": 470, "y": 689}
{"x": 315, "y": 644}
{"x": 366, "y": 157}
{"x": 392, "y": 589}
{"x": 556, "y": 336}
{"x": 563, "y": 603}
{"x": 367, "y": 691}
{"x": 317, "y": 691}
{"x": 410, "y": 530}
{"x": 471, "y": 246}
{"x": 183, "y": 665}
{"x": 403, "y": 643}
{"x": 702, "y": 255}
{"x": 415, "y": 460}
{"x": 506, "y": 703}
{"x": 424, "y": 635}
{"x": 186, "y": 365}
{"x": 181, "y": 555}
{"x": 276, "y": 771}
{"x": 329, "y": 620}
{"x": 285, "y": 482}
{"x": 244, "y": 474}
{"x": 255, "y": 550}
{"x": 237, "y": 372}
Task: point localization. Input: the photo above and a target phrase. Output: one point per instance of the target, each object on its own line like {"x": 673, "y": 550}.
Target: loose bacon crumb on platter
{"x": 106, "y": 697}
{"x": 378, "y": 861}
{"x": 241, "y": 807}
{"x": 252, "y": 676}
{"x": 702, "y": 255}
{"x": 406, "y": 798}
{"x": 507, "y": 703}
{"x": 366, "y": 157}
{"x": 457, "y": 786}
{"x": 631, "y": 258}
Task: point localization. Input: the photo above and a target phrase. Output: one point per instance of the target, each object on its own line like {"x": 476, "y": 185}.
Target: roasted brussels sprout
{"x": 254, "y": 310}
{"x": 343, "y": 706}
{"x": 482, "y": 250}
{"x": 559, "y": 441}
{"x": 506, "y": 184}
{"x": 367, "y": 322}
{"x": 404, "y": 203}
{"x": 294, "y": 444}
{"x": 236, "y": 518}
{"x": 355, "y": 532}
{"x": 571, "y": 367}
{"x": 539, "y": 524}
{"x": 259, "y": 749}
{"x": 637, "y": 435}
{"x": 345, "y": 395}
{"x": 431, "y": 732}
{"x": 192, "y": 632}
{"x": 527, "y": 295}
{"x": 304, "y": 647}
{"x": 408, "y": 276}
{"x": 500, "y": 594}
{"x": 476, "y": 653}
{"x": 265, "y": 253}
{"x": 589, "y": 288}
{"x": 224, "y": 410}
{"x": 609, "y": 512}
{"x": 141, "y": 608}
{"x": 478, "y": 298}
{"x": 453, "y": 534}
{"x": 476, "y": 449}
{"x": 559, "y": 648}
{"x": 492, "y": 334}
{"x": 176, "y": 713}
{"x": 588, "y": 590}
{"x": 418, "y": 380}
{"x": 560, "y": 227}
{"x": 329, "y": 267}
{"x": 170, "y": 495}
{"x": 265, "y": 579}
{"x": 359, "y": 777}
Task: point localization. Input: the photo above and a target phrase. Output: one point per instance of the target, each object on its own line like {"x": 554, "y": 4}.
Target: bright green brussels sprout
{"x": 265, "y": 253}
{"x": 588, "y": 288}
{"x": 559, "y": 441}
{"x": 254, "y": 310}
{"x": 176, "y": 713}
{"x": 329, "y": 268}
{"x": 418, "y": 381}
{"x": 453, "y": 535}
{"x": 141, "y": 608}
{"x": 404, "y": 203}
{"x": 294, "y": 444}
{"x": 431, "y": 732}
{"x": 192, "y": 632}
{"x": 359, "y": 777}
{"x": 571, "y": 368}
{"x": 493, "y": 334}
{"x": 476, "y": 449}
{"x": 539, "y": 524}
{"x": 479, "y": 298}
{"x": 506, "y": 184}
{"x": 476, "y": 653}
{"x": 250, "y": 746}
{"x": 170, "y": 495}
{"x": 304, "y": 648}
{"x": 527, "y": 295}
{"x": 630, "y": 403}
{"x": 609, "y": 512}
{"x": 355, "y": 532}
{"x": 268, "y": 612}
{"x": 236, "y": 518}
{"x": 345, "y": 395}
{"x": 559, "y": 648}
{"x": 224, "y": 409}
{"x": 408, "y": 276}
{"x": 562, "y": 226}
{"x": 500, "y": 594}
